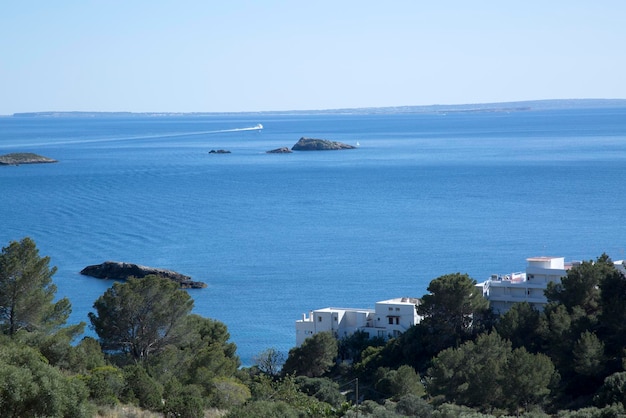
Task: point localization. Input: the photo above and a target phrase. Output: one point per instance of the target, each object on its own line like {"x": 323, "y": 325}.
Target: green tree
{"x": 581, "y": 286}
{"x": 521, "y": 325}
{"x": 142, "y": 316}
{"x": 612, "y": 391}
{"x": 206, "y": 353}
{"x": 612, "y": 324}
{"x": 454, "y": 310}
{"x": 527, "y": 379}
{"x": 314, "y": 357}
{"x": 588, "y": 355}
{"x": 488, "y": 374}
{"x": 398, "y": 383}
{"x": 27, "y": 292}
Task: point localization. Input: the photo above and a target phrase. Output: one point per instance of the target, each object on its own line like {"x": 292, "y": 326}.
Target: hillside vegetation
{"x": 153, "y": 357}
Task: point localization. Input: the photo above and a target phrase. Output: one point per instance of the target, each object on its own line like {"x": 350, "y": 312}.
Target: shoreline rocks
{"x": 18, "y": 158}
{"x": 116, "y": 270}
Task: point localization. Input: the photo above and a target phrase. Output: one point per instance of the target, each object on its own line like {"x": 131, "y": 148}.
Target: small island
{"x": 116, "y": 270}
{"x": 18, "y": 158}
{"x": 313, "y": 144}
{"x": 281, "y": 150}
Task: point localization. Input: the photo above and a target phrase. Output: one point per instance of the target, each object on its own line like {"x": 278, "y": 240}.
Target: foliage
{"x": 206, "y": 354}
{"x": 85, "y": 356}
{"x": 612, "y": 324}
{"x": 184, "y": 406}
{"x": 580, "y": 286}
{"x": 105, "y": 385}
{"x": 31, "y": 387}
{"x": 141, "y": 389}
{"x": 288, "y": 391}
{"x": 414, "y": 406}
{"x": 270, "y": 361}
{"x": 314, "y": 357}
{"x": 264, "y": 409}
{"x": 142, "y": 316}
{"x": 612, "y": 411}
{"x": 588, "y": 355}
{"x": 228, "y": 392}
{"x": 352, "y": 346}
{"x": 395, "y": 384}
{"x": 612, "y": 391}
{"x": 487, "y": 373}
{"x": 323, "y": 389}
{"x": 454, "y": 310}
{"x": 27, "y": 291}
{"x": 521, "y": 325}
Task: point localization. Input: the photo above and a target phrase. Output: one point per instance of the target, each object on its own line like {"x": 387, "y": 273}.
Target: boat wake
{"x": 77, "y": 141}
{"x": 257, "y": 127}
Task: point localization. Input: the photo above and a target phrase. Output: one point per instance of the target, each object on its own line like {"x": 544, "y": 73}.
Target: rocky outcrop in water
{"x": 116, "y": 270}
{"x": 282, "y": 150}
{"x": 313, "y": 144}
{"x": 24, "y": 158}
{"x": 219, "y": 151}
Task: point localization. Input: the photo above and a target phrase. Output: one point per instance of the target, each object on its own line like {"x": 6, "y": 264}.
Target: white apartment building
{"x": 388, "y": 319}
{"x": 503, "y": 291}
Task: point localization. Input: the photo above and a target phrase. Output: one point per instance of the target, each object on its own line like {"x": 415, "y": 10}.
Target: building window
{"x": 394, "y": 320}
{"x": 319, "y": 319}
{"x": 336, "y": 319}
{"x": 397, "y": 309}
{"x": 390, "y": 308}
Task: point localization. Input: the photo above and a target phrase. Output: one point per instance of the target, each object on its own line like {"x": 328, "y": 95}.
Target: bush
{"x": 140, "y": 389}
{"x": 105, "y": 385}
{"x": 32, "y": 387}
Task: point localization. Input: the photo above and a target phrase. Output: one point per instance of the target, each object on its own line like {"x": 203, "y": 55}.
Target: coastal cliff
{"x": 116, "y": 270}
{"x": 18, "y": 158}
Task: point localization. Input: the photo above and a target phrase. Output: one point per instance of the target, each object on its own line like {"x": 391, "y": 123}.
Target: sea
{"x": 276, "y": 235}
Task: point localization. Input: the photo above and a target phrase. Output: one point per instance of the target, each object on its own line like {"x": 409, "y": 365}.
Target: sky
{"x": 240, "y": 56}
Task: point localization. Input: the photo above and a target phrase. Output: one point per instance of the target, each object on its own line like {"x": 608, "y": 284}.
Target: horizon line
{"x": 387, "y": 109}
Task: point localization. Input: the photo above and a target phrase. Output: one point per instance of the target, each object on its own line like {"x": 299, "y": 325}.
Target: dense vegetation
{"x": 461, "y": 360}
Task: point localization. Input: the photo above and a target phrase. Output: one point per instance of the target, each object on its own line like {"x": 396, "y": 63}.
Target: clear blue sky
{"x": 236, "y": 55}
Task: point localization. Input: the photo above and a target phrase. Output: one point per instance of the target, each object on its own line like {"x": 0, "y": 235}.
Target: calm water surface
{"x": 275, "y": 236}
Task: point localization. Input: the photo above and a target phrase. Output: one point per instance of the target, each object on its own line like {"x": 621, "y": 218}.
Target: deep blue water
{"x": 275, "y": 236}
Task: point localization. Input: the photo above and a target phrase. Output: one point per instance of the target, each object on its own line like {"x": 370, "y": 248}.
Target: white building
{"x": 390, "y": 318}
{"x": 503, "y": 291}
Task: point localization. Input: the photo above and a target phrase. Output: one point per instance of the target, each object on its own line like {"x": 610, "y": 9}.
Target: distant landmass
{"x": 520, "y": 106}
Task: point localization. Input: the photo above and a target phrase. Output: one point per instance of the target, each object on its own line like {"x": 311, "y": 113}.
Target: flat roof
{"x": 542, "y": 258}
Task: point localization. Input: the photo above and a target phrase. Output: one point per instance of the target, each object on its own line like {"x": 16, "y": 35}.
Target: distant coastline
{"x": 520, "y": 106}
